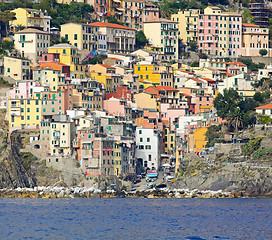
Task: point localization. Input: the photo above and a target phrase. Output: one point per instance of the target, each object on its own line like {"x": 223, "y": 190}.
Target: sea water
{"x": 136, "y": 218}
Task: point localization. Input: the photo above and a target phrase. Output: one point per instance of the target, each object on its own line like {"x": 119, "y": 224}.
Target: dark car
{"x": 138, "y": 180}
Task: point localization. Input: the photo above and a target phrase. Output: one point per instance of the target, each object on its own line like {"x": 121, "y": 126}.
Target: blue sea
{"x": 136, "y": 218}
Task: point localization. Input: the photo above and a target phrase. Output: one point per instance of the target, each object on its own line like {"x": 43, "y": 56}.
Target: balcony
{"x": 25, "y": 41}
{"x": 191, "y": 29}
{"x": 169, "y": 53}
{"x": 208, "y": 41}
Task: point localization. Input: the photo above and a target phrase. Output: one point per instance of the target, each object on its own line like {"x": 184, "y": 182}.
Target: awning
{"x": 117, "y": 1}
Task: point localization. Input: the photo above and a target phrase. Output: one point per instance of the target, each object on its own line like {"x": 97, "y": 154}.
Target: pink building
{"x": 151, "y": 12}
{"x": 101, "y": 8}
{"x": 23, "y": 89}
{"x": 208, "y": 34}
{"x": 49, "y": 57}
{"x": 203, "y": 103}
{"x": 65, "y": 98}
{"x": 103, "y": 150}
{"x": 117, "y": 107}
{"x": 172, "y": 114}
{"x": 137, "y": 12}
{"x": 236, "y": 68}
{"x": 220, "y": 33}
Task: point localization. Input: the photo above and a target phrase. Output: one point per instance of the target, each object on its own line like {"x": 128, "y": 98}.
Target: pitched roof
{"x": 116, "y": 59}
{"x": 237, "y": 63}
{"x": 150, "y": 4}
{"x": 209, "y": 80}
{"x": 267, "y": 106}
{"x": 184, "y": 71}
{"x": 52, "y": 65}
{"x": 110, "y": 25}
{"x": 31, "y": 30}
{"x": 194, "y": 79}
{"x": 63, "y": 45}
{"x": 249, "y": 25}
{"x": 105, "y": 66}
{"x": 166, "y": 88}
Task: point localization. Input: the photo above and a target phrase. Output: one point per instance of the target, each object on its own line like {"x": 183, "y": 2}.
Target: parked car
{"x": 138, "y": 180}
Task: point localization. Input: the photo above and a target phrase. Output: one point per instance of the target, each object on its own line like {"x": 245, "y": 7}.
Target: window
{"x": 141, "y": 139}
{"x": 75, "y": 36}
{"x": 140, "y": 131}
{"x": 28, "y": 109}
{"x": 148, "y": 147}
{"x": 148, "y": 139}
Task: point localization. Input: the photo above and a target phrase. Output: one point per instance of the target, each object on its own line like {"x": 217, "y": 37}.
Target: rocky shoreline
{"x": 77, "y": 192}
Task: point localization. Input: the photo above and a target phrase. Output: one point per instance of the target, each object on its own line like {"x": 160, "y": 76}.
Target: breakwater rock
{"x": 77, "y": 192}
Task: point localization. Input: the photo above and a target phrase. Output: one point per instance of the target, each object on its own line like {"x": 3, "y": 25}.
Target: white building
{"x": 240, "y": 82}
{"x": 148, "y": 147}
{"x": 264, "y": 73}
{"x": 32, "y": 43}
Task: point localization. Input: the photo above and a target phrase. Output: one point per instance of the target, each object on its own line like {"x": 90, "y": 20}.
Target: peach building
{"x": 254, "y": 39}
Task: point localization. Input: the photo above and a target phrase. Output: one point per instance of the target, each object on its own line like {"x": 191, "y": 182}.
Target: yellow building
{"x": 117, "y": 159}
{"x": 24, "y": 113}
{"x": 146, "y": 101}
{"x": 254, "y": 39}
{"x": 200, "y": 140}
{"x": 148, "y": 73}
{"x": 49, "y": 77}
{"x": 82, "y": 36}
{"x": 31, "y": 18}
{"x": 163, "y": 34}
{"x": 17, "y": 68}
{"x": 109, "y": 81}
{"x": 188, "y": 24}
{"x": 69, "y": 55}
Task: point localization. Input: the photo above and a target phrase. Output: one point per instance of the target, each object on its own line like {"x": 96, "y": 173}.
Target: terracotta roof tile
{"x": 110, "y": 25}
{"x": 267, "y": 106}
{"x": 106, "y": 66}
{"x": 249, "y": 25}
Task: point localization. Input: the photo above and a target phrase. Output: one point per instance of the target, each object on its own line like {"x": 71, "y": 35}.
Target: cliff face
{"x": 254, "y": 180}
{"x": 15, "y": 170}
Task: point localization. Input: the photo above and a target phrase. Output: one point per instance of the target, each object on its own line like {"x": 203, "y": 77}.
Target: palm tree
{"x": 235, "y": 119}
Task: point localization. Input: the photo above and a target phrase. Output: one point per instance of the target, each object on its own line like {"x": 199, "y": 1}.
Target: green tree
{"x": 141, "y": 39}
{"x": 252, "y": 146}
{"x": 226, "y": 102}
{"x": 7, "y": 45}
{"x": 193, "y": 46}
{"x": 213, "y": 134}
{"x": 112, "y": 19}
{"x": 263, "y": 52}
{"x": 261, "y": 97}
{"x": 247, "y": 16}
{"x": 195, "y": 64}
{"x": 202, "y": 56}
{"x": 5, "y": 17}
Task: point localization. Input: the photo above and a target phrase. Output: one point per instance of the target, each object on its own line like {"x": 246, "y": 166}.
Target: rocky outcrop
{"x": 14, "y": 171}
{"x": 61, "y": 192}
{"x": 254, "y": 181}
